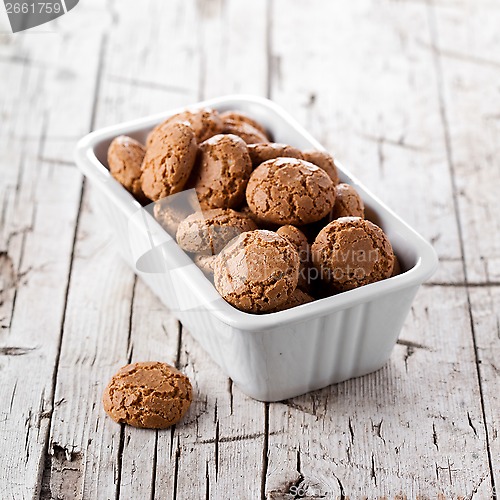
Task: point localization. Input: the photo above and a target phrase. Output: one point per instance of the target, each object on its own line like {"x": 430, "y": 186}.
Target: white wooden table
{"x": 407, "y": 94}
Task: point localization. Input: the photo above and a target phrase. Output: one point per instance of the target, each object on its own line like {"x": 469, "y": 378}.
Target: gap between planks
{"x": 45, "y": 465}
{"x": 437, "y": 58}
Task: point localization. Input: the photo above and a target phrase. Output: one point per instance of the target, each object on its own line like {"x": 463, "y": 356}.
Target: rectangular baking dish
{"x": 280, "y": 355}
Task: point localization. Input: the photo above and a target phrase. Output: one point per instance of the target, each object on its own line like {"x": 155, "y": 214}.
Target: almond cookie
{"x": 205, "y": 123}
{"x": 259, "y": 153}
{"x": 298, "y": 239}
{"x": 125, "y": 157}
{"x": 257, "y": 272}
{"x": 169, "y": 161}
{"x": 238, "y": 117}
{"x": 150, "y": 395}
{"x": 351, "y": 252}
{"x": 290, "y": 191}
{"x": 208, "y": 232}
{"x": 297, "y": 298}
{"x": 348, "y": 203}
{"x": 222, "y": 172}
{"x": 323, "y": 160}
{"x": 244, "y": 129}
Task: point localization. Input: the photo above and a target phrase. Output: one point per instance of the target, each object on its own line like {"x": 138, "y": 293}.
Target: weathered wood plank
{"x": 233, "y": 47}
{"x": 40, "y": 204}
{"x": 485, "y": 307}
{"x": 413, "y": 428}
{"x": 466, "y": 46}
{"x": 94, "y": 344}
{"x": 393, "y": 140}
{"x": 361, "y": 82}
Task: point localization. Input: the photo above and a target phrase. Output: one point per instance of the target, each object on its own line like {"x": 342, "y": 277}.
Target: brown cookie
{"x": 259, "y": 153}
{"x": 397, "y": 267}
{"x": 206, "y": 263}
{"x": 257, "y": 272}
{"x": 205, "y": 123}
{"x": 208, "y": 232}
{"x": 351, "y": 252}
{"x": 325, "y": 161}
{"x": 222, "y": 172}
{"x": 168, "y": 162}
{"x": 239, "y": 117}
{"x": 348, "y": 203}
{"x": 297, "y": 298}
{"x": 290, "y": 191}
{"x": 297, "y": 238}
{"x": 125, "y": 157}
{"x": 150, "y": 394}
{"x": 245, "y": 130}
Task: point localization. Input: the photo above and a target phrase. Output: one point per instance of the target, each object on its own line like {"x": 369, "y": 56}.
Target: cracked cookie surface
{"x": 235, "y": 117}
{"x": 348, "y": 203}
{"x": 351, "y": 252}
{"x": 257, "y": 272}
{"x": 149, "y": 394}
{"x": 323, "y": 160}
{"x": 169, "y": 161}
{"x": 261, "y": 152}
{"x": 222, "y": 172}
{"x": 205, "y": 123}
{"x": 125, "y": 156}
{"x": 290, "y": 191}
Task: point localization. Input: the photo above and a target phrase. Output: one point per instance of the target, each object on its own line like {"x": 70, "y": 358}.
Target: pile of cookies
{"x": 271, "y": 225}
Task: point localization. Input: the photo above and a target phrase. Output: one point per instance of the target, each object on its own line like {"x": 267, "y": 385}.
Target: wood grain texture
{"x": 361, "y": 82}
{"x": 485, "y": 307}
{"x": 403, "y": 430}
{"x": 466, "y": 47}
{"x": 40, "y": 203}
{"x": 405, "y": 94}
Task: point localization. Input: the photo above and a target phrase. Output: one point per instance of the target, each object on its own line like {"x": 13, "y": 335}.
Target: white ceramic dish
{"x": 275, "y": 356}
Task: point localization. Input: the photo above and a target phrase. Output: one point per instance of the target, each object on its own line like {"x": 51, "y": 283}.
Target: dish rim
{"x": 424, "y": 268}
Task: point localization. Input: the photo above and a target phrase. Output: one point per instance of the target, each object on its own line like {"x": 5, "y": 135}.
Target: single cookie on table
{"x": 125, "y": 156}
{"x": 205, "y": 123}
{"x": 206, "y": 263}
{"x": 257, "y": 272}
{"x": 348, "y": 203}
{"x": 323, "y": 160}
{"x": 351, "y": 252}
{"x": 209, "y": 231}
{"x": 149, "y": 394}
{"x": 298, "y": 239}
{"x": 238, "y": 117}
{"x": 168, "y": 162}
{"x": 297, "y": 298}
{"x": 222, "y": 172}
{"x": 259, "y": 153}
{"x": 244, "y": 129}
{"x": 290, "y": 191}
